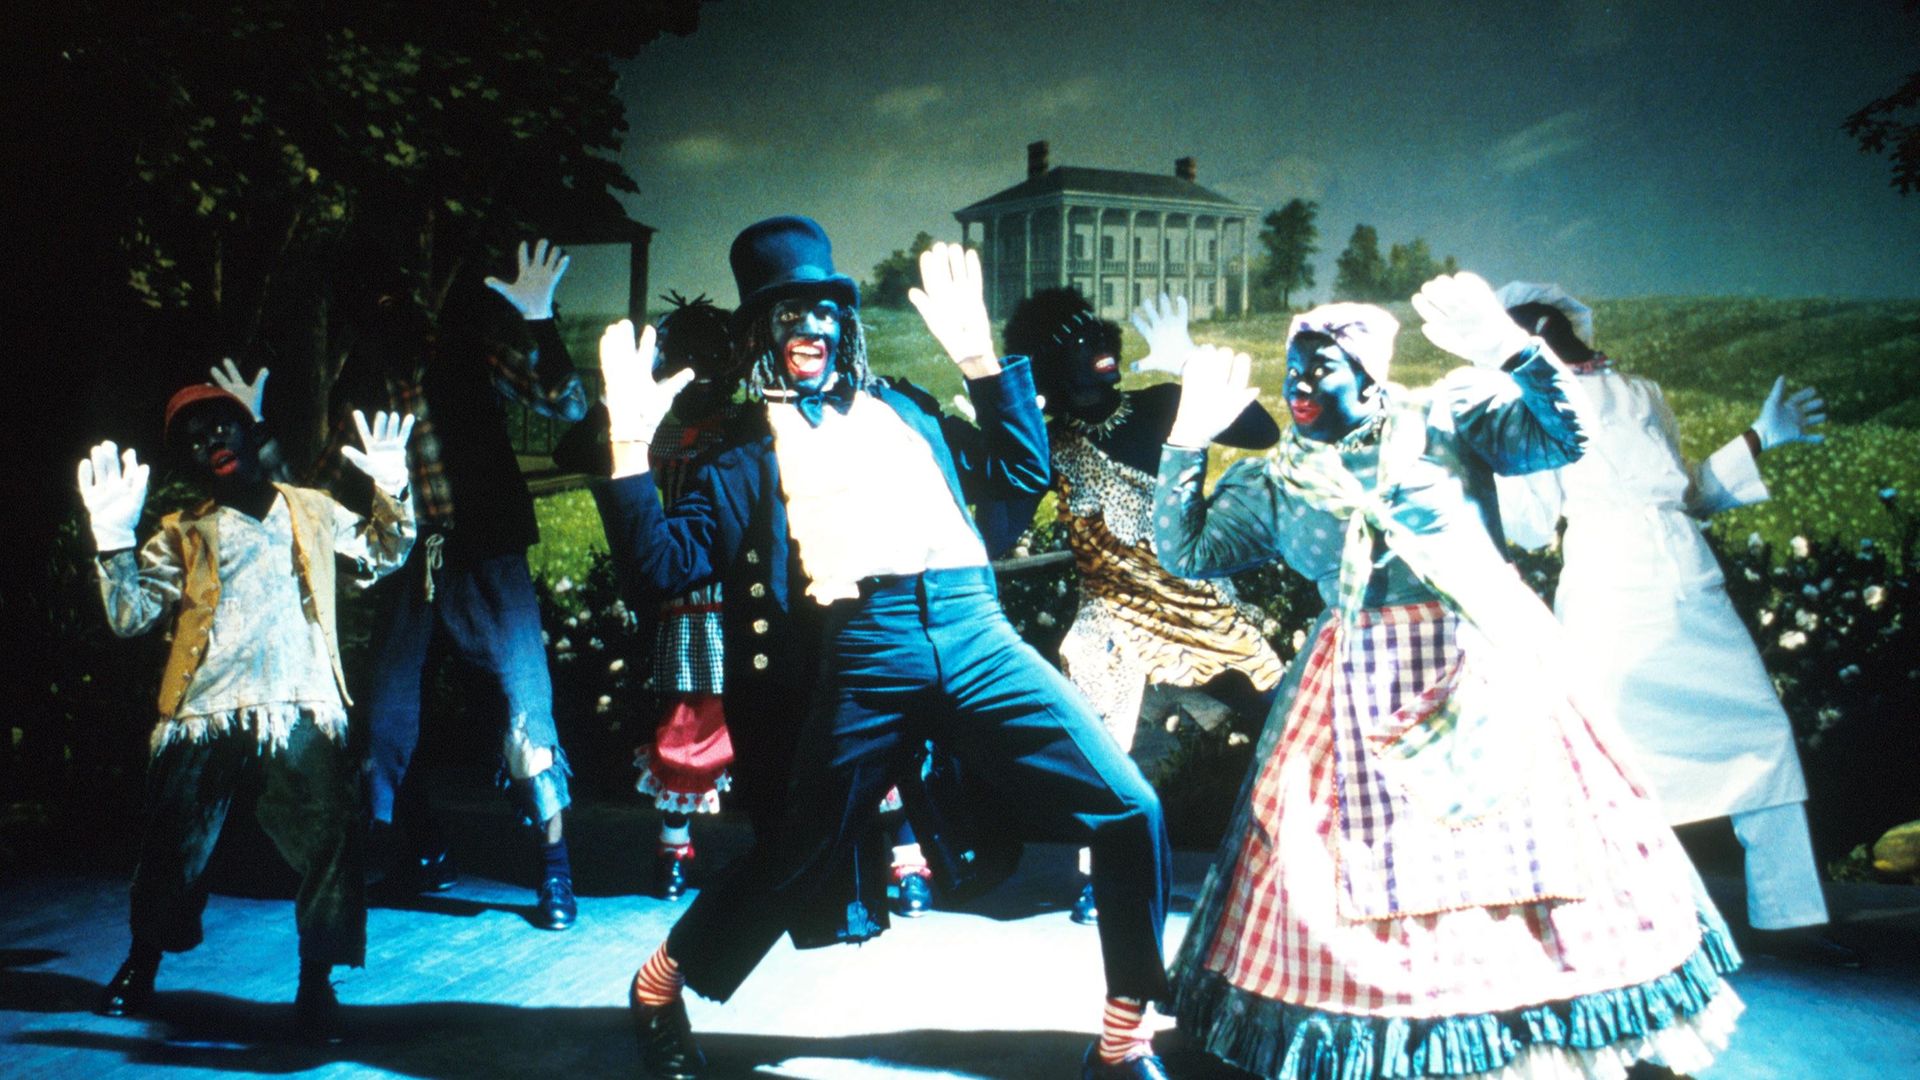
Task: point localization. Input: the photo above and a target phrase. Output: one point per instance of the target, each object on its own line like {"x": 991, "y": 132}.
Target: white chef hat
{"x": 1514, "y": 293}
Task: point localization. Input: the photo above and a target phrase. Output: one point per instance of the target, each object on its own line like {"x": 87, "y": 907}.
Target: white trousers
{"x": 1783, "y": 881}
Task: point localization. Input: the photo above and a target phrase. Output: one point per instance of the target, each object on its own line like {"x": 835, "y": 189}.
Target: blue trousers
{"x": 931, "y": 656}
{"x": 485, "y": 609}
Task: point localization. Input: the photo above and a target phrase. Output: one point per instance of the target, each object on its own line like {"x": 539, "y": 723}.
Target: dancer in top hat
{"x": 849, "y": 514}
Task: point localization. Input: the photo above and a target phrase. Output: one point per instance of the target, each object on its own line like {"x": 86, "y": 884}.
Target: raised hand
{"x": 1165, "y": 328}
{"x": 113, "y": 486}
{"x": 952, "y": 302}
{"x": 1785, "y": 418}
{"x": 538, "y": 275}
{"x": 636, "y": 404}
{"x": 1465, "y": 318}
{"x": 385, "y": 456}
{"x": 1213, "y": 394}
{"x": 227, "y": 377}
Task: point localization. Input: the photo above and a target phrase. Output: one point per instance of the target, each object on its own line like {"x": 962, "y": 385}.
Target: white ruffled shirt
{"x": 865, "y": 497}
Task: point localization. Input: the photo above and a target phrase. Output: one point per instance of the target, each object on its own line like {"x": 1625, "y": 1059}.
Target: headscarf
{"x": 1365, "y": 331}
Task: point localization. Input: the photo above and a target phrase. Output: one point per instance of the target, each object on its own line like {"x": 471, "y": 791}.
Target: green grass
{"x": 1715, "y": 357}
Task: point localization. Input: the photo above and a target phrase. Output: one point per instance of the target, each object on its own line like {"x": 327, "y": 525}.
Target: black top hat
{"x": 782, "y": 257}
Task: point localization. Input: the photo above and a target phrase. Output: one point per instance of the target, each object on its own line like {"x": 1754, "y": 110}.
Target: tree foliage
{"x": 273, "y": 156}
{"x": 1290, "y": 238}
{"x": 1365, "y": 276}
{"x": 1891, "y": 126}
{"x": 1362, "y": 272}
{"x": 895, "y": 274}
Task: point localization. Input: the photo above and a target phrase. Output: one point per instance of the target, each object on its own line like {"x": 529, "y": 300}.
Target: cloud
{"x": 1071, "y": 96}
{"x": 908, "y": 102}
{"x": 1292, "y": 176}
{"x": 1573, "y": 230}
{"x": 704, "y": 151}
{"x": 1562, "y": 133}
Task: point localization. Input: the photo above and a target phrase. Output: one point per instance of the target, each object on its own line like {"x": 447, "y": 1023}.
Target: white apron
{"x": 1646, "y": 606}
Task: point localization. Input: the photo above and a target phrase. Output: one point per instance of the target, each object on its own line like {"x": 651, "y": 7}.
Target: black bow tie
{"x": 839, "y": 395}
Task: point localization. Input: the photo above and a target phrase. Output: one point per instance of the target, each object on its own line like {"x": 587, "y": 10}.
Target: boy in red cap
{"x": 252, "y": 700}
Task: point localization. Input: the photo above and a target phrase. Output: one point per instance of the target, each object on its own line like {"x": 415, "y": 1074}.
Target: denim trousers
{"x": 485, "y": 611}
{"x": 306, "y": 797}
{"x": 931, "y": 657}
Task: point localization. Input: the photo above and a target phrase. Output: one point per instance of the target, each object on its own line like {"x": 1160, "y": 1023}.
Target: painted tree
{"x": 1290, "y": 238}
{"x": 276, "y": 156}
{"x": 1410, "y": 266}
{"x": 1362, "y": 272}
{"x": 895, "y": 274}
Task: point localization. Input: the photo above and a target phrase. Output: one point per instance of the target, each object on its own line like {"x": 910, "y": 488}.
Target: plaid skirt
{"x": 1327, "y": 901}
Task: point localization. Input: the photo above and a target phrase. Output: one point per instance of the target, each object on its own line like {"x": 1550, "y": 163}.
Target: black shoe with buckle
{"x": 436, "y": 873}
{"x": 670, "y": 873}
{"x": 667, "y": 1047}
{"x": 913, "y": 895}
{"x": 316, "y": 1012}
{"x": 1085, "y": 911}
{"x": 130, "y": 991}
{"x": 1144, "y": 1067}
{"x": 409, "y": 876}
{"x": 555, "y": 908}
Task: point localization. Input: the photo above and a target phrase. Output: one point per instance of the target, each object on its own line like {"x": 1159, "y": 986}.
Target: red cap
{"x": 193, "y": 395}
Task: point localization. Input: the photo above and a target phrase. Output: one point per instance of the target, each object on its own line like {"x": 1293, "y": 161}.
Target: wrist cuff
{"x": 1754, "y": 443}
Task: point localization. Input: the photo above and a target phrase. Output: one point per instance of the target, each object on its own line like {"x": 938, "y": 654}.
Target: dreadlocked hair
{"x": 1040, "y": 328}
{"x": 755, "y": 347}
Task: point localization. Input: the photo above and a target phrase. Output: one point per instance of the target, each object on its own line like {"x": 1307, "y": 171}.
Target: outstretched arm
{"x": 136, "y": 591}
{"x": 544, "y": 381}
{"x": 1237, "y": 526}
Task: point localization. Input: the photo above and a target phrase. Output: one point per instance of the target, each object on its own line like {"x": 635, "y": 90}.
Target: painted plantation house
{"x": 1118, "y": 237}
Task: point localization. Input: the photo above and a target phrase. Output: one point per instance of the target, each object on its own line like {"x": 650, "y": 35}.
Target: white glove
{"x": 251, "y": 394}
{"x": 1465, "y": 318}
{"x": 385, "y": 457}
{"x": 635, "y": 403}
{"x": 963, "y": 405}
{"x": 1213, "y": 394}
{"x": 113, "y": 486}
{"x": 1785, "y": 419}
{"x": 952, "y": 301}
{"x": 531, "y": 290}
{"x": 1165, "y": 328}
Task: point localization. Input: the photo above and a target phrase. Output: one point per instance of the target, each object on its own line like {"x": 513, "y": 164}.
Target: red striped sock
{"x": 1123, "y": 1034}
{"x": 658, "y": 982}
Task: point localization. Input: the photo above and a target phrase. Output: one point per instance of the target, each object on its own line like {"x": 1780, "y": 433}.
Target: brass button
{"x": 760, "y": 661}
{"x": 760, "y": 626}
{"x": 757, "y": 591}
{"x": 753, "y": 557}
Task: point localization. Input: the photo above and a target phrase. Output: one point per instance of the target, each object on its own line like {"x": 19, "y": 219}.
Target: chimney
{"x": 1036, "y": 158}
{"x": 1187, "y": 169}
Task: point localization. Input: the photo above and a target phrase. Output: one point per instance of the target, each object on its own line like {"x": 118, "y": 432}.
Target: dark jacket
{"x": 731, "y": 526}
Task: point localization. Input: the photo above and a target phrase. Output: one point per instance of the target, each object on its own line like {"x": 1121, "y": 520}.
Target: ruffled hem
{"x": 1680, "y": 1019}
{"x": 682, "y": 802}
{"x": 271, "y": 724}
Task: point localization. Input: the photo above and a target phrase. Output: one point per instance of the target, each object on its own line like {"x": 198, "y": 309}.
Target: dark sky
{"x": 1622, "y": 149}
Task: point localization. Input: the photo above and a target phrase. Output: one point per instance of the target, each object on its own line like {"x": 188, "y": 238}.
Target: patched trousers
{"x": 485, "y": 609}
{"x": 931, "y": 657}
{"x": 306, "y": 796}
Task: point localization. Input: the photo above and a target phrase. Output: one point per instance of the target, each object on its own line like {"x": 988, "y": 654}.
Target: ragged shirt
{"x": 254, "y": 639}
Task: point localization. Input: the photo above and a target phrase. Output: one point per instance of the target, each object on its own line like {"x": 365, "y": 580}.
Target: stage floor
{"x": 461, "y": 985}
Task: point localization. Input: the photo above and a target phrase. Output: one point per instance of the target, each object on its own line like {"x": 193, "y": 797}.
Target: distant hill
{"x": 1714, "y": 356}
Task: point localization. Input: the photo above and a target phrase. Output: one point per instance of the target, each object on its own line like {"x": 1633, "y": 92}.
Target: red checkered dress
{"x": 1439, "y": 920}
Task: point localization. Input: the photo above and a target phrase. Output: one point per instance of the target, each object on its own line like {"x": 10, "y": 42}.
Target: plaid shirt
{"x": 516, "y": 376}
